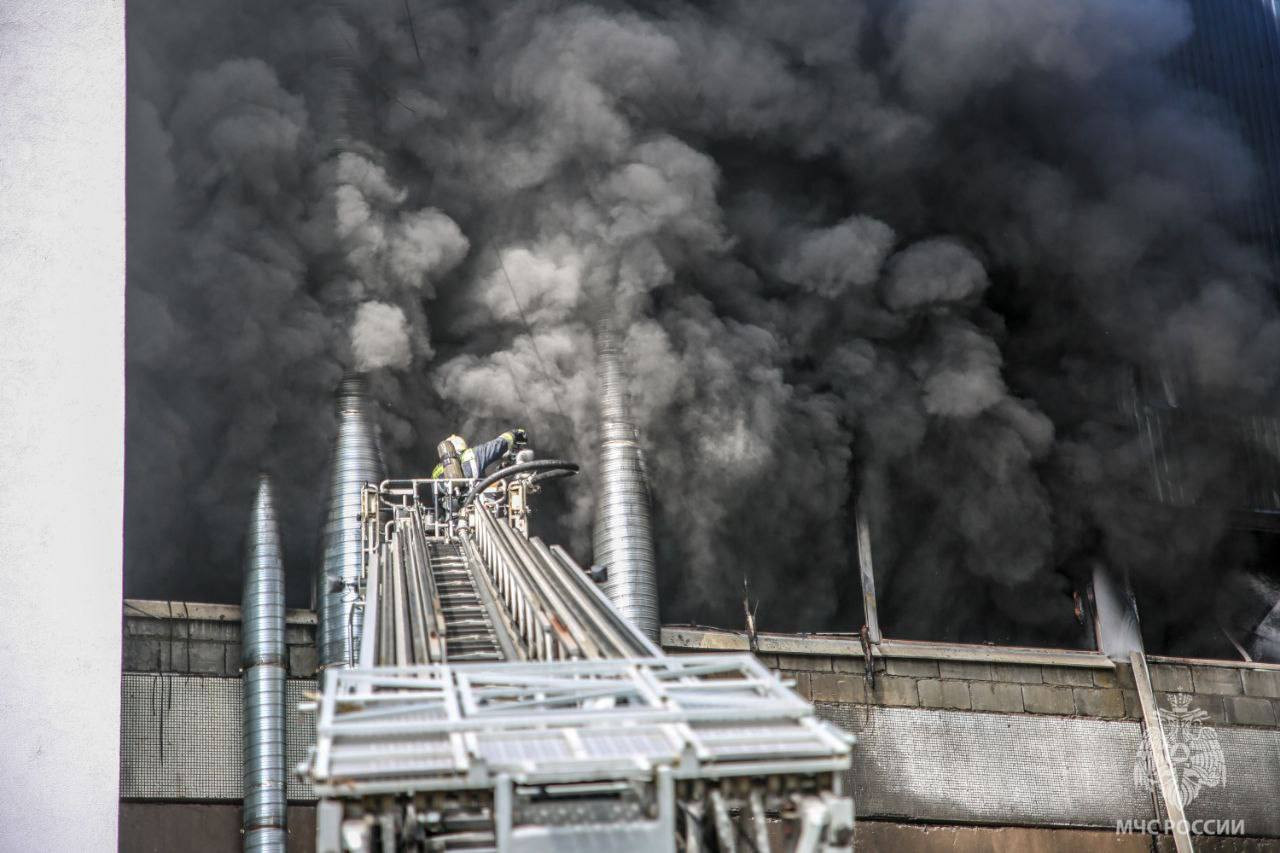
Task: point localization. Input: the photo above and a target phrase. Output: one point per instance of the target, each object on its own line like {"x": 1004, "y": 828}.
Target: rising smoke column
{"x": 902, "y": 250}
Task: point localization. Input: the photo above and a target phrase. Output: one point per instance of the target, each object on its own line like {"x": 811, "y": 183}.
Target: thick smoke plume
{"x": 910, "y": 253}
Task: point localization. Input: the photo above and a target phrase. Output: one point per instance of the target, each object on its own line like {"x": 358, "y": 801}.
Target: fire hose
{"x": 548, "y": 468}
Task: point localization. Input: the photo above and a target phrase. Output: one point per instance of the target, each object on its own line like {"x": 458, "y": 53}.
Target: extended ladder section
{"x": 473, "y": 631}
{"x": 502, "y": 703}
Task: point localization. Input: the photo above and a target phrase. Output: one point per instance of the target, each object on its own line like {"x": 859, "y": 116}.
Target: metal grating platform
{"x": 454, "y": 727}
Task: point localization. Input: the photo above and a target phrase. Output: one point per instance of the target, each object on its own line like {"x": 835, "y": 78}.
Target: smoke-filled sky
{"x": 916, "y": 251}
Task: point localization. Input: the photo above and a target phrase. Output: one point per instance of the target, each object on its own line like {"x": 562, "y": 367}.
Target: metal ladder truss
{"x": 500, "y": 702}
{"x": 655, "y": 754}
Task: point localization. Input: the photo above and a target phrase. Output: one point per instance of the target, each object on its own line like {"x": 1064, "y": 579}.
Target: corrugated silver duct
{"x": 356, "y": 461}
{"x": 262, "y": 657}
{"x": 623, "y": 529}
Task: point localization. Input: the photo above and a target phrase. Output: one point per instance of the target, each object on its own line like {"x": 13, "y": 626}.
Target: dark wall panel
{"x": 201, "y": 828}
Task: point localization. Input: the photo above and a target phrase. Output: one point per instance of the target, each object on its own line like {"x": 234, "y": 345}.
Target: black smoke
{"x": 914, "y": 252}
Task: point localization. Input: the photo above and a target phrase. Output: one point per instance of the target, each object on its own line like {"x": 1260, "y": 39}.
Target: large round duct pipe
{"x": 356, "y": 461}
{"x": 263, "y": 665}
{"x": 1115, "y": 614}
{"x": 623, "y": 530}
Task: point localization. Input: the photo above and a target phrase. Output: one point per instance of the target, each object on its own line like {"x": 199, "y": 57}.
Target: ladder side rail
{"x": 399, "y": 616}
{"x": 386, "y": 606}
{"x": 439, "y": 628}
{"x": 642, "y": 645}
{"x": 558, "y": 607}
{"x": 505, "y": 630}
{"x": 511, "y": 592}
{"x": 372, "y": 622}
{"x": 428, "y": 631}
{"x": 602, "y": 639}
{"x": 559, "y": 640}
{"x": 416, "y": 599}
{"x": 546, "y": 637}
{"x": 625, "y": 639}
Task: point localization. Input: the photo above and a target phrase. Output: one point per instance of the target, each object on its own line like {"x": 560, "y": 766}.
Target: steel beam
{"x": 867, "y": 569}
{"x": 1159, "y": 746}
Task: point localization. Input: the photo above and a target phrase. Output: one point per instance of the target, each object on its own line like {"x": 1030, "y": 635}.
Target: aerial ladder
{"x": 498, "y": 701}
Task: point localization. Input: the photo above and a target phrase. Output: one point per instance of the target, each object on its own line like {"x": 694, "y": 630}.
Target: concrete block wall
{"x": 1229, "y": 695}
{"x": 960, "y": 685}
{"x": 201, "y": 639}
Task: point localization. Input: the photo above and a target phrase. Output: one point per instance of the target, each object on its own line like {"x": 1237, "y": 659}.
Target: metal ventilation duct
{"x": 356, "y": 461}
{"x": 262, "y": 658}
{"x": 1117, "y": 615}
{"x": 623, "y": 530}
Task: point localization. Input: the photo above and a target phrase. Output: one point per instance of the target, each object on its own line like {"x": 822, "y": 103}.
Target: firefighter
{"x": 450, "y": 451}
{"x": 458, "y": 460}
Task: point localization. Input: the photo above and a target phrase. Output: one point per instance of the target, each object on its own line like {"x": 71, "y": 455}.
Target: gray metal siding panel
{"x": 992, "y": 768}
{"x": 1251, "y": 789}
{"x": 181, "y": 736}
{"x": 1001, "y": 769}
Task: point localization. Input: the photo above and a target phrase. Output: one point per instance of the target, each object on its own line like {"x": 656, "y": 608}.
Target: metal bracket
{"x": 865, "y": 636}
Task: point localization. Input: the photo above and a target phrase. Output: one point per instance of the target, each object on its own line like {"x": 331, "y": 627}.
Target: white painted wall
{"x": 61, "y": 420}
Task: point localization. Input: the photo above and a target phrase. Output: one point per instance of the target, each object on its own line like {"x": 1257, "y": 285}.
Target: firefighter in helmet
{"x": 459, "y": 461}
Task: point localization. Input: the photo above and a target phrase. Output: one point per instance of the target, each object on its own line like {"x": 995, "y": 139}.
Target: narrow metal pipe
{"x": 623, "y": 530}
{"x": 866, "y": 568}
{"x": 357, "y": 460}
{"x": 263, "y": 666}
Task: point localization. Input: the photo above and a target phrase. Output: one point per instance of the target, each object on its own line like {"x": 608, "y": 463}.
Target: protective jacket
{"x": 475, "y": 460}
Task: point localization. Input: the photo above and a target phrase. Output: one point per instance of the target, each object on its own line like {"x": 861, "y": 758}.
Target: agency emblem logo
{"x": 1194, "y": 750}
